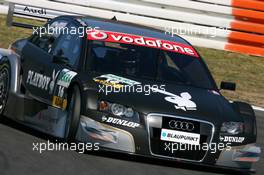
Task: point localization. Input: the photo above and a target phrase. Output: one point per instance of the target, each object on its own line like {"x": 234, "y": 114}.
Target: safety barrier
{"x": 233, "y": 25}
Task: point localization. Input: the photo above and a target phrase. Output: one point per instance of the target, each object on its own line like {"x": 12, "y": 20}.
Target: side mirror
{"x": 60, "y": 60}
{"x": 228, "y": 86}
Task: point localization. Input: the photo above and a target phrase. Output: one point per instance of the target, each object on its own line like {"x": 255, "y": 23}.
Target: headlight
{"x": 129, "y": 112}
{"x": 232, "y": 127}
{"x": 118, "y": 110}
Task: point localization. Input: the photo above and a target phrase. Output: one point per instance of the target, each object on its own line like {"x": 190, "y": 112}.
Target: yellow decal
{"x": 107, "y": 83}
{"x": 59, "y": 102}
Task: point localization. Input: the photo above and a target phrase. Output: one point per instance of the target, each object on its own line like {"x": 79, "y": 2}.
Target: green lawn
{"x": 246, "y": 71}
{"x": 10, "y": 34}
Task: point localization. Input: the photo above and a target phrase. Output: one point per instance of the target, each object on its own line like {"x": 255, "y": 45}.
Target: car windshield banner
{"x": 117, "y": 37}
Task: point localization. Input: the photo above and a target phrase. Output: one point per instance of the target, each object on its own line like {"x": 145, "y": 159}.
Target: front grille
{"x": 157, "y": 122}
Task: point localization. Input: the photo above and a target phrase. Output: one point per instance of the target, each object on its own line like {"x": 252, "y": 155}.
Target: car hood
{"x": 178, "y": 100}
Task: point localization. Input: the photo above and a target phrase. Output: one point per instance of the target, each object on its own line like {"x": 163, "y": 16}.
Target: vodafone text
{"x": 109, "y": 36}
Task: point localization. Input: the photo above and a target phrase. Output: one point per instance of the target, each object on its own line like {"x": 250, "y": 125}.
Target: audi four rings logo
{"x": 185, "y": 126}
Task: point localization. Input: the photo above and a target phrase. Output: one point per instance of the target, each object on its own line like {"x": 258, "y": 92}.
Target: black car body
{"x": 129, "y": 88}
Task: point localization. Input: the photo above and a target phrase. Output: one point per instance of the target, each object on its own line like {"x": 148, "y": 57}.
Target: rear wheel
{"x": 4, "y": 87}
{"x": 73, "y": 116}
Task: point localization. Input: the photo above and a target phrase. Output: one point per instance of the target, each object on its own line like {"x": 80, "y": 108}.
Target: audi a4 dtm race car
{"x": 130, "y": 88}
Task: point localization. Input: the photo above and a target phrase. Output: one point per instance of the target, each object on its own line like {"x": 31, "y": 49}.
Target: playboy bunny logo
{"x": 182, "y": 102}
{"x": 52, "y": 83}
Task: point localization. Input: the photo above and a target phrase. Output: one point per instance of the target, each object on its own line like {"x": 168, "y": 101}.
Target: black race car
{"x": 129, "y": 88}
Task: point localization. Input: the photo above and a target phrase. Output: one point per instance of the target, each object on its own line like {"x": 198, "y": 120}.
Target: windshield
{"x": 149, "y": 63}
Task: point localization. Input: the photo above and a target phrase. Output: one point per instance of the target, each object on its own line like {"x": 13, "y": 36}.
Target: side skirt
{"x": 36, "y": 115}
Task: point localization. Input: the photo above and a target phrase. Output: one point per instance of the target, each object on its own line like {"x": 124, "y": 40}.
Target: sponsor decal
{"x": 108, "y": 136}
{"x": 99, "y": 132}
{"x": 182, "y": 102}
{"x": 61, "y": 91}
{"x": 232, "y": 139}
{"x": 38, "y": 80}
{"x": 107, "y": 83}
{"x": 121, "y": 122}
{"x": 180, "y": 137}
{"x": 103, "y": 136}
{"x": 59, "y": 102}
{"x": 65, "y": 77}
{"x": 38, "y": 11}
{"x": 115, "y": 81}
{"x": 52, "y": 83}
{"x": 41, "y": 81}
{"x": 109, "y": 36}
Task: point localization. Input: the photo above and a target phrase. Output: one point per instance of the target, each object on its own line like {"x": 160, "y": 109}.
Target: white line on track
{"x": 258, "y": 108}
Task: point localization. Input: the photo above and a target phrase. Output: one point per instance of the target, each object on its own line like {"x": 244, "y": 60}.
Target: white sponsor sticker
{"x": 232, "y": 139}
{"x": 38, "y": 80}
{"x": 180, "y": 137}
{"x": 120, "y": 122}
{"x": 65, "y": 77}
{"x": 117, "y": 79}
{"x": 182, "y": 101}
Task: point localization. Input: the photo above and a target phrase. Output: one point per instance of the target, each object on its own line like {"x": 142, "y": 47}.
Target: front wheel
{"x": 4, "y": 87}
{"x": 73, "y": 116}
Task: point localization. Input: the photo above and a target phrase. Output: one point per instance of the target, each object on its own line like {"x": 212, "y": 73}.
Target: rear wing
{"x": 21, "y": 10}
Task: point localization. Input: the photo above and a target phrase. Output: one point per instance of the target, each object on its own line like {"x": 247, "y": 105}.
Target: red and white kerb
{"x": 116, "y": 37}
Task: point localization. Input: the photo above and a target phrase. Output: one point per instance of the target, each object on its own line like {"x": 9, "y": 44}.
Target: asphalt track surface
{"x": 18, "y": 158}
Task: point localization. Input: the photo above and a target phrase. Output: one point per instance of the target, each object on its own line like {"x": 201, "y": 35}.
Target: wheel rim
{"x": 4, "y": 85}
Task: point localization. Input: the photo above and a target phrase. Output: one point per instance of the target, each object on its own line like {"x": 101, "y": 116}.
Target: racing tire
{"x": 4, "y": 87}
{"x": 248, "y": 115}
{"x": 73, "y": 114}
